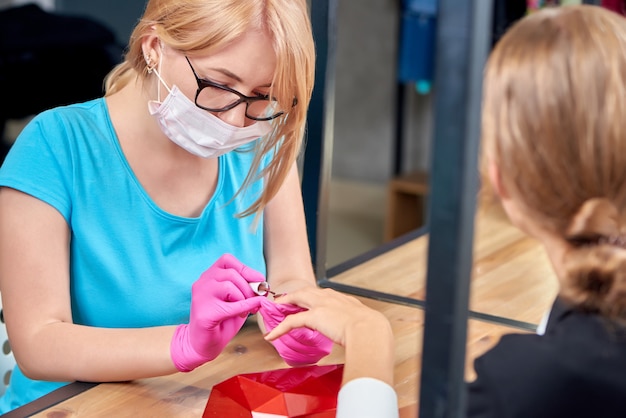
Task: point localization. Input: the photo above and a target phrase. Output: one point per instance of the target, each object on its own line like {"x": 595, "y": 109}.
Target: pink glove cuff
{"x": 184, "y": 357}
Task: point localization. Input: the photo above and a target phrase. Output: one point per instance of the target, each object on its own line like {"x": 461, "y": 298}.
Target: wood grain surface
{"x": 511, "y": 278}
{"x": 186, "y": 394}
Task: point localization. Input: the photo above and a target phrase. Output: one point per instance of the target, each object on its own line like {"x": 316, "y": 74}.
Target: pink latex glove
{"x": 221, "y": 299}
{"x": 300, "y": 346}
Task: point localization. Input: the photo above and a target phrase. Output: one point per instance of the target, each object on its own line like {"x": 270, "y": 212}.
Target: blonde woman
{"x": 554, "y": 153}
{"x": 133, "y": 227}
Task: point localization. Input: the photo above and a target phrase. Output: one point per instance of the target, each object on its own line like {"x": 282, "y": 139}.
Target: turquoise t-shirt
{"x": 132, "y": 264}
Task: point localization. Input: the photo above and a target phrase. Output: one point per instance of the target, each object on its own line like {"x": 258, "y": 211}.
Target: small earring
{"x": 149, "y": 65}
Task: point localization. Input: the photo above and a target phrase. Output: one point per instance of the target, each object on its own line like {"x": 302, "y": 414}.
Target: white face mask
{"x": 198, "y": 131}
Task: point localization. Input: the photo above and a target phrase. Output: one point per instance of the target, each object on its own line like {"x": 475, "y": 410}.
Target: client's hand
{"x": 332, "y": 313}
{"x": 297, "y": 346}
{"x": 365, "y": 333}
{"x": 221, "y": 299}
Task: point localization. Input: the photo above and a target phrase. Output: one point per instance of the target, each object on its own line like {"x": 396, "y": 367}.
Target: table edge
{"x": 49, "y": 400}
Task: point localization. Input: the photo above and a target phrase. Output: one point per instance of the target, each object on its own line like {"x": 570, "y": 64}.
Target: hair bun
{"x": 595, "y": 266}
{"x": 596, "y": 279}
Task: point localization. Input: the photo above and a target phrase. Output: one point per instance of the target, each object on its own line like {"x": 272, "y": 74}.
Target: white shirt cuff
{"x": 366, "y": 397}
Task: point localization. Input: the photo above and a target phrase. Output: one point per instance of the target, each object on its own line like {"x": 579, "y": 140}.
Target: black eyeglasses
{"x": 216, "y": 97}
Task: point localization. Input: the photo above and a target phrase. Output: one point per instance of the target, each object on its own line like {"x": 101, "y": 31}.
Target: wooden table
{"x": 511, "y": 279}
{"x": 186, "y": 394}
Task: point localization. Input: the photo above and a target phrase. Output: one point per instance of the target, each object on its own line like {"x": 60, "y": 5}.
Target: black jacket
{"x": 576, "y": 369}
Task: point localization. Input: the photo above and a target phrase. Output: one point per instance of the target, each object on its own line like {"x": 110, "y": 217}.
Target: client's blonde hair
{"x": 554, "y": 122}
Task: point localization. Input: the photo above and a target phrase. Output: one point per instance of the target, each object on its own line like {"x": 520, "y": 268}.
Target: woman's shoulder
{"x": 537, "y": 374}
{"x": 90, "y": 112}
{"x": 578, "y": 342}
{"x": 56, "y": 137}
{"x": 517, "y": 351}
{"x": 68, "y": 127}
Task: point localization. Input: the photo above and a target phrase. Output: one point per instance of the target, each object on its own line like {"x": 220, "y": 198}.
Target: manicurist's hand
{"x": 220, "y": 302}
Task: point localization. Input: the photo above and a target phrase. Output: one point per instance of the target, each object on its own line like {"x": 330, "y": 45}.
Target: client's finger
{"x": 298, "y": 320}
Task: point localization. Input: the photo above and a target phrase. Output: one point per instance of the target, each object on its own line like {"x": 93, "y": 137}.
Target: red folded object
{"x": 300, "y": 392}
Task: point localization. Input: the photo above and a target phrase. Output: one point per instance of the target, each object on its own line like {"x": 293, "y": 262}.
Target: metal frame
{"x": 317, "y": 163}
{"x": 327, "y": 281}
{"x": 463, "y": 41}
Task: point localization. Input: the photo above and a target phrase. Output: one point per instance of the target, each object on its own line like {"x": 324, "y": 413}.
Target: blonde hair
{"x": 207, "y": 25}
{"x": 554, "y": 107}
